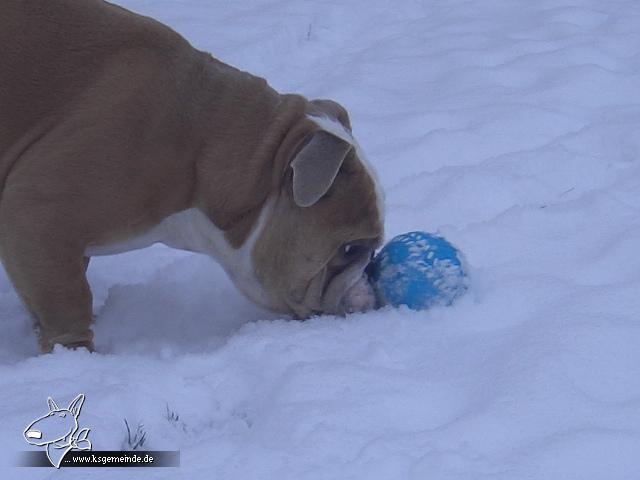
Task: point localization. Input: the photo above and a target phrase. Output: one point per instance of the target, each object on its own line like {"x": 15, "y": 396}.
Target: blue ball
{"x": 419, "y": 270}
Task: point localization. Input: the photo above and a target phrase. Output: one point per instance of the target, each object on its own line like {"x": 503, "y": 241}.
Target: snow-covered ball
{"x": 419, "y": 270}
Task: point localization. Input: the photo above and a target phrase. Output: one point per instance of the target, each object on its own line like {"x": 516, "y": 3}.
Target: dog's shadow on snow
{"x": 186, "y": 306}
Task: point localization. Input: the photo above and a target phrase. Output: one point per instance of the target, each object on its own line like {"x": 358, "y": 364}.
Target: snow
{"x": 509, "y": 127}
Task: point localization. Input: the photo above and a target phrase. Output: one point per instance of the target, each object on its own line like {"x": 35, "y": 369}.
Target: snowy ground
{"x": 511, "y": 127}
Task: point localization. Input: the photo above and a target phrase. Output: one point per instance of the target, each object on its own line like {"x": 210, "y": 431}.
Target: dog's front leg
{"x": 47, "y": 268}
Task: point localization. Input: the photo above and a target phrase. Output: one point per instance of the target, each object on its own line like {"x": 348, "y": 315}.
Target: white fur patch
{"x": 336, "y": 128}
{"x": 191, "y": 230}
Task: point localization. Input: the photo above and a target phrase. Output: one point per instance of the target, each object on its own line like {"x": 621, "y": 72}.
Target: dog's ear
{"x": 52, "y": 405}
{"x": 316, "y": 166}
{"x": 76, "y": 405}
{"x": 333, "y": 110}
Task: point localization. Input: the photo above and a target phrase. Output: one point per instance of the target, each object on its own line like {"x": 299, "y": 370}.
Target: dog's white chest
{"x": 186, "y": 230}
{"x": 191, "y": 230}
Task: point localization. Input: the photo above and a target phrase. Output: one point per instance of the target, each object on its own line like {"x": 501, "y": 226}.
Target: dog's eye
{"x": 351, "y": 250}
{"x": 62, "y": 415}
{"x": 355, "y": 251}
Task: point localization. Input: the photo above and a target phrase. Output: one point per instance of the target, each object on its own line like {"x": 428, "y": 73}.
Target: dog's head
{"x": 325, "y": 222}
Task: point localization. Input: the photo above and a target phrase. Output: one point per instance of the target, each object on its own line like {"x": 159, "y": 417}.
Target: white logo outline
{"x": 65, "y": 436}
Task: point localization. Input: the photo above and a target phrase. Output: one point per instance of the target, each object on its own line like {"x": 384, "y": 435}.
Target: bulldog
{"x": 115, "y": 133}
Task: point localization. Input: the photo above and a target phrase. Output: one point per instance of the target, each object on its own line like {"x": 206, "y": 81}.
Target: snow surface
{"x": 511, "y": 127}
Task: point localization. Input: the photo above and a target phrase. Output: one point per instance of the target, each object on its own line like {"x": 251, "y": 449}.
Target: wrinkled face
{"x": 326, "y": 224}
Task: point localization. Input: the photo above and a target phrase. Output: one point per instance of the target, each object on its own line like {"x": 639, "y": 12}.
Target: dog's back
{"x": 53, "y": 51}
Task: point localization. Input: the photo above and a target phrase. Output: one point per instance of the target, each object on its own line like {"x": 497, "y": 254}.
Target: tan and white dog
{"x": 115, "y": 133}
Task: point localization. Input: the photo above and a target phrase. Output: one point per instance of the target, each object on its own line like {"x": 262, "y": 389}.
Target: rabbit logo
{"x": 57, "y": 431}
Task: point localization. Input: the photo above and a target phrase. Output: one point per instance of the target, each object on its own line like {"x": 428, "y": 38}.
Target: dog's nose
{"x": 34, "y": 434}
